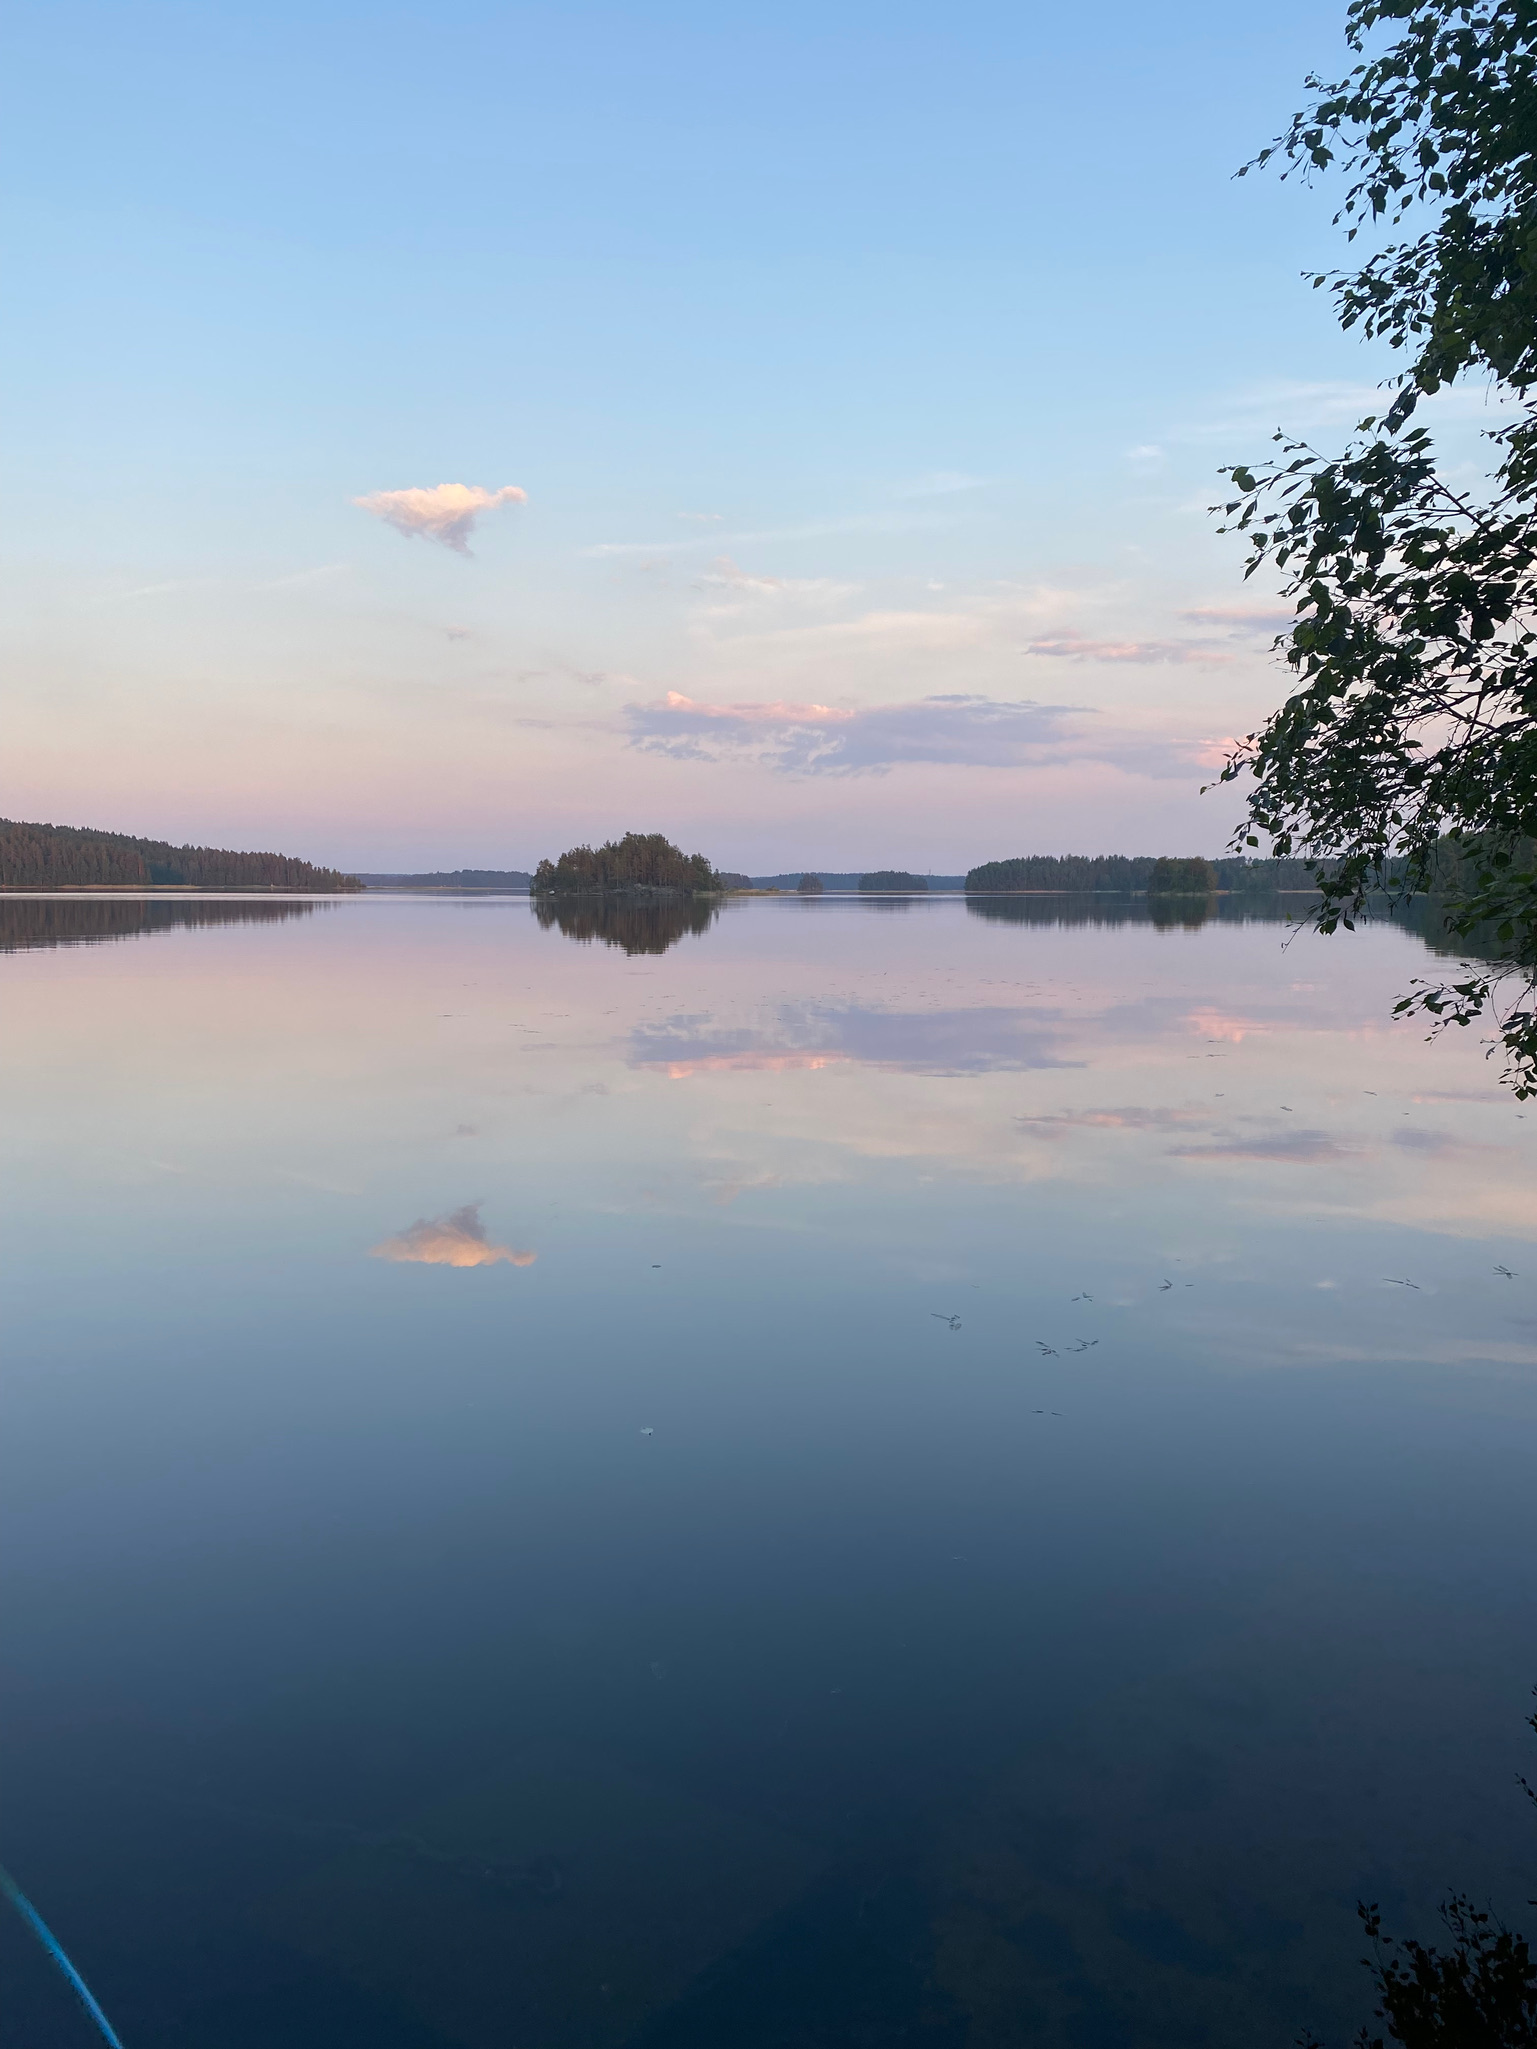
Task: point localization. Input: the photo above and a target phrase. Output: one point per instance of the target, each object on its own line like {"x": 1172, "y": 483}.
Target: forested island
{"x": 79, "y": 857}
{"x": 641, "y": 864}
{"x": 893, "y": 881}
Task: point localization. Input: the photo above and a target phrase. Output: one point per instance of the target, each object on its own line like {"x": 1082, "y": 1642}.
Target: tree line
{"x": 78, "y": 857}
{"x": 1138, "y": 873}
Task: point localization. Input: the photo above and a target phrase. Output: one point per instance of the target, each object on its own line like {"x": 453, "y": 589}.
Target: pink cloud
{"x": 776, "y": 714}
{"x": 445, "y": 512}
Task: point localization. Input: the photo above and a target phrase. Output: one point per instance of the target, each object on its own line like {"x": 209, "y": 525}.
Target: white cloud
{"x": 458, "y": 1239}
{"x": 445, "y": 512}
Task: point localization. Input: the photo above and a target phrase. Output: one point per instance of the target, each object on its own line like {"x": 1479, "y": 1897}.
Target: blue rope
{"x": 44, "y": 1934}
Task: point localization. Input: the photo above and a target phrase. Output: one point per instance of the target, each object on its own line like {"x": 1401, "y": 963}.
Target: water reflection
{"x": 1266, "y": 907}
{"x": 982, "y": 1040}
{"x": 959, "y": 1538}
{"x": 458, "y": 1239}
{"x": 26, "y": 922}
{"x": 648, "y": 927}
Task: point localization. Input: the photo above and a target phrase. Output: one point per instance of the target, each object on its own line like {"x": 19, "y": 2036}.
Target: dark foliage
{"x": 70, "y": 857}
{"x": 1079, "y": 872}
{"x": 809, "y": 885}
{"x": 1481, "y": 1993}
{"x": 640, "y": 861}
{"x": 883, "y": 880}
{"x": 1193, "y": 877}
{"x": 1406, "y": 757}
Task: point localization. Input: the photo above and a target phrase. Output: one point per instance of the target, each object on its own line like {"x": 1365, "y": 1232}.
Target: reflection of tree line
{"x": 1103, "y": 907}
{"x": 639, "y": 926}
{"x": 77, "y": 921}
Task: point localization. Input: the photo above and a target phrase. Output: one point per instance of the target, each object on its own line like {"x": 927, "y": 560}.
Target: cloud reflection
{"x": 1293, "y": 1148}
{"x": 935, "y": 1042}
{"x": 458, "y": 1239}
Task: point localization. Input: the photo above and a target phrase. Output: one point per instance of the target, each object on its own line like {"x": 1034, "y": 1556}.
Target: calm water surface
{"x": 874, "y": 1475}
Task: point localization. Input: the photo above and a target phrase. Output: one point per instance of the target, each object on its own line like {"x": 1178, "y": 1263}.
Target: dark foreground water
{"x": 862, "y": 1475}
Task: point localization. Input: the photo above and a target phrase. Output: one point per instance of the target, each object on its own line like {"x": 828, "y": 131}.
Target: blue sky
{"x": 866, "y": 370}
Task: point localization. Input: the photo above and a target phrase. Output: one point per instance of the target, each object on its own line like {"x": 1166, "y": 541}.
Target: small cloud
{"x": 1253, "y": 619}
{"x": 445, "y": 512}
{"x": 458, "y": 1239}
{"x": 702, "y": 518}
{"x": 1076, "y": 648}
{"x": 458, "y": 633}
{"x": 723, "y": 571}
{"x": 1145, "y": 451}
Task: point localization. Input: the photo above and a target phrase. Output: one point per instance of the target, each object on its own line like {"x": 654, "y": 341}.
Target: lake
{"x": 832, "y": 1473}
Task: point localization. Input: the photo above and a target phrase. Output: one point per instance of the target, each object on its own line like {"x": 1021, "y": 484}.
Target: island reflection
{"x": 648, "y": 926}
{"x": 27, "y": 922}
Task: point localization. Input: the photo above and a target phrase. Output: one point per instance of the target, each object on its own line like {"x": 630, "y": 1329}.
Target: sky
{"x": 440, "y": 436}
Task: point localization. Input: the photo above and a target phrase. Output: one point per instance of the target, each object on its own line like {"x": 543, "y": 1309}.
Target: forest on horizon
{"x": 34, "y": 856}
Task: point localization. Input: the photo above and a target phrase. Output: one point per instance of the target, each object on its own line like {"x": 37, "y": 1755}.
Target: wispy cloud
{"x": 835, "y": 739}
{"x": 942, "y": 484}
{"x": 443, "y": 512}
{"x": 1289, "y": 1148}
{"x": 324, "y": 572}
{"x": 1131, "y": 1118}
{"x": 1078, "y": 647}
{"x": 809, "y": 530}
{"x": 984, "y": 1040}
{"x": 1248, "y": 618}
{"x": 953, "y": 730}
{"x": 1439, "y": 1145}
{"x": 458, "y": 1239}
{"x": 733, "y": 587}
{"x": 1303, "y": 406}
